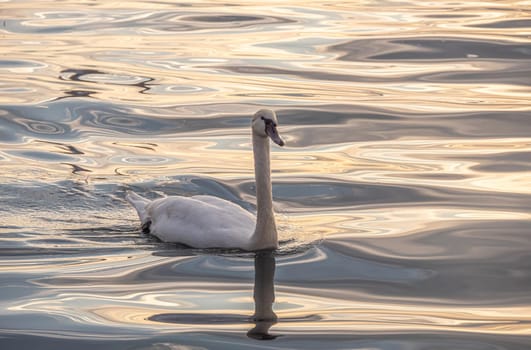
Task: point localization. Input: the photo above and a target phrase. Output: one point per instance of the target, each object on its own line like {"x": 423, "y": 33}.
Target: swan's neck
{"x": 265, "y": 234}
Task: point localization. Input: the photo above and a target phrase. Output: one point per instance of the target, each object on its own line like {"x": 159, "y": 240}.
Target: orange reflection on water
{"x": 402, "y": 193}
{"x": 148, "y": 54}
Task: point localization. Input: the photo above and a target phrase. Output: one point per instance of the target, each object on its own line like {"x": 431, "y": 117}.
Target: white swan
{"x": 211, "y": 222}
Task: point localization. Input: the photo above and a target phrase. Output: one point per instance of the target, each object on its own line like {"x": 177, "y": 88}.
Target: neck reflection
{"x": 264, "y": 295}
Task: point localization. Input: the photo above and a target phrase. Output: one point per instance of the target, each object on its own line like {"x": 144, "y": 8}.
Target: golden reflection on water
{"x": 158, "y": 45}
{"x": 359, "y": 317}
{"x": 402, "y": 194}
{"x": 336, "y": 312}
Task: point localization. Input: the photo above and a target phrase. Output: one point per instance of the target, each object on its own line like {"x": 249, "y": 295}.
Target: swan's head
{"x": 265, "y": 124}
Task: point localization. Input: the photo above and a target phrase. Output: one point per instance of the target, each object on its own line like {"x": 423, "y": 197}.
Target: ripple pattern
{"x": 403, "y": 194}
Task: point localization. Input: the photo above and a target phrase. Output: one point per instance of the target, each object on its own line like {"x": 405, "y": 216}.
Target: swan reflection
{"x": 264, "y": 296}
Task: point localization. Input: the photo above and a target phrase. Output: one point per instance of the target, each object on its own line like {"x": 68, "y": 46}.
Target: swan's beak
{"x": 271, "y": 131}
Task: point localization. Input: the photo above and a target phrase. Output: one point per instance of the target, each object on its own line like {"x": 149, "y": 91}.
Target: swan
{"x": 209, "y": 222}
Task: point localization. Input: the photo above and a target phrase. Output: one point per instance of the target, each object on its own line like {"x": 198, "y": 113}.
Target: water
{"x": 403, "y": 194}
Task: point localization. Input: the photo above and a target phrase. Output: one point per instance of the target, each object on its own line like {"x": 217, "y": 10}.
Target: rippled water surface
{"x": 403, "y": 195}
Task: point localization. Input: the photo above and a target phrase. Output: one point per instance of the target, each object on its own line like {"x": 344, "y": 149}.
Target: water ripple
{"x": 445, "y": 48}
{"x": 402, "y": 194}
{"x": 133, "y": 22}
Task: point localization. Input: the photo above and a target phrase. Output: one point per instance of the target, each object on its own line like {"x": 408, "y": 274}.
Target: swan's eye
{"x": 262, "y": 118}
{"x": 269, "y": 122}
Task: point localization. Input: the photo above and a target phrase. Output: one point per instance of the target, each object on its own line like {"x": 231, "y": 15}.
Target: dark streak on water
{"x": 403, "y": 193}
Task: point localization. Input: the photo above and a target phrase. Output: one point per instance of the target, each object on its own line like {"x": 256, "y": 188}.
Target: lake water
{"x": 403, "y": 194}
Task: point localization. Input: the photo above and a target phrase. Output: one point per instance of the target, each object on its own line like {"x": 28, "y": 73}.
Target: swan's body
{"x": 211, "y": 222}
{"x": 198, "y": 221}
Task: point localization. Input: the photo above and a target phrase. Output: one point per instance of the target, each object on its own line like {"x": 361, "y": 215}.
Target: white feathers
{"x": 139, "y": 203}
{"x": 198, "y": 221}
{"x": 211, "y": 222}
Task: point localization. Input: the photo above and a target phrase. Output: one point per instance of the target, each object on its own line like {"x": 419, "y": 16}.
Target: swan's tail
{"x": 140, "y": 204}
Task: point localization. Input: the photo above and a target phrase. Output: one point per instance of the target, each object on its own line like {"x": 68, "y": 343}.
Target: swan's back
{"x": 200, "y": 221}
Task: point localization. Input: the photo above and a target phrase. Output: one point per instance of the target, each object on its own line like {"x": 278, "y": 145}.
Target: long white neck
{"x": 265, "y": 233}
